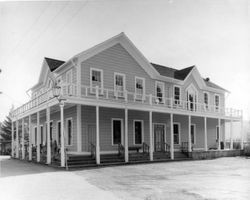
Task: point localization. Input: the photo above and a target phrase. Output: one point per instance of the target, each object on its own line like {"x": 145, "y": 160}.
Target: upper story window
{"x": 206, "y": 101}
{"x": 96, "y": 78}
{"x": 159, "y": 90}
{"x": 217, "y": 102}
{"x": 140, "y": 88}
{"x": 177, "y": 94}
{"x": 119, "y": 84}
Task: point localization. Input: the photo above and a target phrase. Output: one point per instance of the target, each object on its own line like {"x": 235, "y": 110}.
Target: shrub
{"x": 247, "y": 150}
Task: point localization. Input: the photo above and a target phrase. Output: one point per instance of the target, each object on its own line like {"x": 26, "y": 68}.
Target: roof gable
{"x": 53, "y": 64}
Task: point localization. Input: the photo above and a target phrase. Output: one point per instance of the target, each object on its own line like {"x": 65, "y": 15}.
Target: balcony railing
{"x": 111, "y": 95}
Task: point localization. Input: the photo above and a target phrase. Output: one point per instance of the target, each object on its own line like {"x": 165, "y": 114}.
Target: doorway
{"x": 159, "y": 137}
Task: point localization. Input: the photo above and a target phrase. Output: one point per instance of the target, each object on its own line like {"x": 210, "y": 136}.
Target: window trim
{"x": 112, "y": 131}
{"x": 179, "y": 128}
{"x": 90, "y": 79}
{"x": 144, "y": 87}
{"x": 194, "y": 133}
{"x": 142, "y": 131}
{"x": 163, "y": 92}
{"x": 67, "y": 139}
{"x": 176, "y": 86}
{"x": 124, "y": 83}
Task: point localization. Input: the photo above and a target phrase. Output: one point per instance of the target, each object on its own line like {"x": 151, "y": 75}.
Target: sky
{"x": 211, "y": 34}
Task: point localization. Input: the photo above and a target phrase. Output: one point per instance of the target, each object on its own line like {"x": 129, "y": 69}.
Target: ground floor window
{"x": 193, "y": 133}
{"x": 176, "y": 129}
{"x": 69, "y": 131}
{"x": 50, "y": 129}
{"x": 35, "y": 133}
{"x": 59, "y": 132}
{"x": 138, "y": 131}
{"x": 41, "y": 134}
{"x": 116, "y": 131}
{"x": 217, "y": 133}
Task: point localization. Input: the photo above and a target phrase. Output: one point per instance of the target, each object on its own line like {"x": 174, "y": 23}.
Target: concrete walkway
{"x": 224, "y": 178}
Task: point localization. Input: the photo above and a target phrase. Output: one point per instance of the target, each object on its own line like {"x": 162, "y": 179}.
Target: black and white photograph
{"x": 125, "y": 100}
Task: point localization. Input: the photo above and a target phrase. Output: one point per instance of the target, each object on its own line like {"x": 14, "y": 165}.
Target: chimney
{"x": 207, "y": 79}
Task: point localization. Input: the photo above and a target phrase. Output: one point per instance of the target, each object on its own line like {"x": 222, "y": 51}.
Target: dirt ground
{"x": 224, "y": 178}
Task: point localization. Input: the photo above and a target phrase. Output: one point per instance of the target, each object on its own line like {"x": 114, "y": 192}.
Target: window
{"x": 138, "y": 131}
{"x": 177, "y": 94}
{"x": 41, "y": 133}
{"x": 35, "y": 133}
{"x": 96, "y": 78}
{"x": 51, "y": 129}
{"x": 217, "y": 102}
{"x": 206, "y": 100}
{"x": 119, "y": 84}
{"x": 69, "y": 128}
{"x": 193, "y": 133}
{"x": 59, "y": 132}
{"x": 116, "y": 131}
{"x": 176, "y": 133}
{"x": 140, "y": 88}
{"x": 217, "y": 133}
{"x": 159, "y": 87}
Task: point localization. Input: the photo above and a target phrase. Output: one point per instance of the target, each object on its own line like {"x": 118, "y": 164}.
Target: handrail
{"x": 66, "y": 158}
{"x": 145, "y": 147}
{"x": 166, "y": 147}
{"x": 184, "y": 147}
{"x": 92, "y": 150}
{"x": 121, "y": 149}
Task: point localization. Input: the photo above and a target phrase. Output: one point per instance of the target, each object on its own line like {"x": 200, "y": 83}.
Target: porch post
{"x": 97, "y": 136}
{"x": 242, "y": 134}
{"x": 126, "y": 135}
{"x": 219, "y": 126}
{"x": 30, "y": 139}
{"x": 17, "y": 140}
{"x": 205, "y": 133}
{"x": 150, "y": 137}
{"x": 38, "y": 137}
{"x": 23, "y": 153}
{"x": 12, "y": 139}
{"x": 48, "y": 136}
{"x": 79, "y": 127}
{"x": 189, "y": 134}
{"x": 62, "y": 135}
{"x": 171, "y": 137}
{"x": 231, "y": 134}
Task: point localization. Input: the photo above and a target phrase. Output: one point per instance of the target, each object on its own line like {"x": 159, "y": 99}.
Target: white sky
{"x": 211, "y": 34}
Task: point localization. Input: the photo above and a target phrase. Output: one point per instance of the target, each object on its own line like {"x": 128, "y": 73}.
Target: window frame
{"x": 217, "y": 130}
{"x": 124, "y": 84}
{"x": 90, "y": 79}
{"x": 41, "y": 134}
{"x": 194, "y": 125}
{"x": 142, "y": 131}
{"x": 163, "y": 90}
{"x": 143, "y": 85}
{"x": 179, "y": 128}
{"x": 178, "y": 101}
{"x": 57, "y": 132}
{"x": 217, "y": 108}
{"x": 67, "y": 134}
{"x": 112, "y": 131}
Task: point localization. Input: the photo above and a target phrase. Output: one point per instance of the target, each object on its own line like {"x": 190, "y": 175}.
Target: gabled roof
{"x": 213, "y": 85}
{"x": 53, "y": 63}
{"x": 171, "y": 72}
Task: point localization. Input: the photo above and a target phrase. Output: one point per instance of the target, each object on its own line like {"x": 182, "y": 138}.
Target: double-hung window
{"x": 193, "y": 133}
{"x": 217, "y": 102}
{"x": 177, "y": 95}
{"x": 140, "y": 88}
{"x": 138, "y": 132}
{"x": 159, "y": 87}
{"x": 116, "y": 131}
{"x": 206, "y": 100}
{"x": 59, "y": 132}
{"x": 119, "y": 84}
{"x": 69, "y": 128}
{"x": 176, "y": 130}
{"x": 96, "y": 79}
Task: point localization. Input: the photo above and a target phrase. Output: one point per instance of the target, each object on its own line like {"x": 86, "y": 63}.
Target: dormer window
{"x": 96, "y": 78}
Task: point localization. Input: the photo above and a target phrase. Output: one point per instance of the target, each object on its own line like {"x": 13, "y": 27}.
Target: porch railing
{"x": 121, "y": 150}
{"x": 92, "y": 150}
{"x": 124, "y": 96}
{"x": 184, "y": 147}
{"x": 145, "y": 147}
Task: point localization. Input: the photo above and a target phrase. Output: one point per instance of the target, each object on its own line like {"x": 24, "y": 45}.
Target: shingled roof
{"x": 181, "y": 74}
{"x": 53, "y": 63}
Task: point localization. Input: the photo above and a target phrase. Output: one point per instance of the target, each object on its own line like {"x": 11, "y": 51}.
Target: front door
{"x": 91, "y": 135}
{"x": 159, "y": 137}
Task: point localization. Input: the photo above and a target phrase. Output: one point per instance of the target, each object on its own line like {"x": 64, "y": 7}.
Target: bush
{"x": 247, "y": 150}
{"x": 236, "y": 145}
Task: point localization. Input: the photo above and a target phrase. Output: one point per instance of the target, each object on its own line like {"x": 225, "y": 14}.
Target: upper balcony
{"x": 94, "y": 94}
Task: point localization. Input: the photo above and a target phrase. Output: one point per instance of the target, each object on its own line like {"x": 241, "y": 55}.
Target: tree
{"x": 6, "y": 129}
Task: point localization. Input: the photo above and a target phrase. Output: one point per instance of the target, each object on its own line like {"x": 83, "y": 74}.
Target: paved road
{"x": 224, "y": 178}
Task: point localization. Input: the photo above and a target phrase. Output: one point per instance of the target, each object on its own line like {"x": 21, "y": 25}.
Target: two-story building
{"x": 109, "y": 104}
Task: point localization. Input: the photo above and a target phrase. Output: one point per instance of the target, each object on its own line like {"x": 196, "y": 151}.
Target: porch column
{"x": 48, "y": 136}
{"x": 79, "y": 127}
{"x": 205, "y": 133}
{"x": 30, "y": 139}
{"x": 23, "y": 149}
{"x": 219, "y": 127}
{"x": 231, "y": 134}
{"x": 126, "y": 135}
{"x": 62, "y": 135}
{"x": 242, "y": 134}
{"x": 38, "y": 137}
{"x": 150, "y": 137}
{"x": 17, "y": 140}
{"x": 189, "y": 134}
{"x": 171, "y": 137}
{"x": 12, "y": 139}
{"x": 97, "y": 136}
